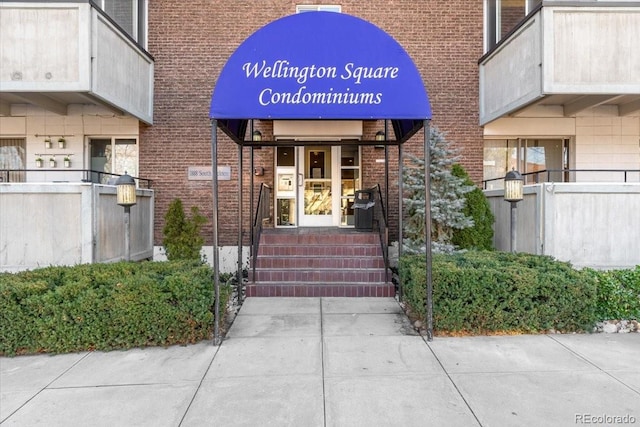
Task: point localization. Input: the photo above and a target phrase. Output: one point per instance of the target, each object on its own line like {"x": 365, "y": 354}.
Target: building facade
{"x": 551, "y": 88}
{"x": 443, "y": 40}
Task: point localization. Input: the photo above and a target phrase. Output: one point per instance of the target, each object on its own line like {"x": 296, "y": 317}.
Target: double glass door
{"x": 316, "y": 185}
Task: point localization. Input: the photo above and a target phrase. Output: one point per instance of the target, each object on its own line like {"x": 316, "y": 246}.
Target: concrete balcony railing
{"x": 60, "y": 53}
{"x": 68, "y": 223}
{"x": 575, "y": 55}
{"x": 587, "y": 224}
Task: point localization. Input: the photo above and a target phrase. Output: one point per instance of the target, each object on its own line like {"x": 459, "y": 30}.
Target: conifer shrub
{"x": 478, "y": 292}
{"x": 446, "y": 196}
{"x": 182, "y": 239}
{"x": 480, "y": 235}
{"x": 106, "y": 307}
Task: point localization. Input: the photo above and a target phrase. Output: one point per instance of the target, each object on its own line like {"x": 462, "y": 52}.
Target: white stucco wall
{"x": 605, "y": 140}
{"x": 82, "y": 121}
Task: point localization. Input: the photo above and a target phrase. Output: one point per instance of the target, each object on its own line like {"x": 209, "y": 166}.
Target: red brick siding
{"x": 192, "y": 42}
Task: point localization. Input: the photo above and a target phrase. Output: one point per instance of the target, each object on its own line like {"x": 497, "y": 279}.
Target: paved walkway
{"x": 332, "y": 362}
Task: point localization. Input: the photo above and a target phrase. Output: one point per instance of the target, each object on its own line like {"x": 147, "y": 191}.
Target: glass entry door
{"x": 315, "y": 185}
{"x": 318, "y": 206}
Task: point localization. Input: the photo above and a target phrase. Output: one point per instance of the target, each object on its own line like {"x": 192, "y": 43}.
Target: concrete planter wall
{"x": 69, "y": 223}
{"x": 588, "y": 224}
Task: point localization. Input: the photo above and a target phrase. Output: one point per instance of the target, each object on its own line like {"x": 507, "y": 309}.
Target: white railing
{"x": 588, "y": 224}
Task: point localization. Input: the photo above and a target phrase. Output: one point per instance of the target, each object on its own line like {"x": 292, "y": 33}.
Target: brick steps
{"x": 320, "y": 290}
{"x": 320, "y": 262}
{"x": 326, "y": 262}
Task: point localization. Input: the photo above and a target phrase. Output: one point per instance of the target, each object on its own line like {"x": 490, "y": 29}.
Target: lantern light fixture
{"x": 513, "y": 193}
{"x": 513, "y": 186}
{"x": 126, "y": 196}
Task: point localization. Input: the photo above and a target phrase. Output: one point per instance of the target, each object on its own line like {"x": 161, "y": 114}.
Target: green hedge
{"x": 618, "y": 294}
{"x": 106, "y": 307}
{"x": 484, "y": 292}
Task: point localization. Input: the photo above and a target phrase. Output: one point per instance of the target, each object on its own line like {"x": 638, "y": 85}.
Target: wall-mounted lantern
{"x": 513, "y": 193}
{"x": 257, "y": 136}
{"x": 380, "y": 137}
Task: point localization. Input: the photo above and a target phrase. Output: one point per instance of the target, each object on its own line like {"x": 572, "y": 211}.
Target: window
{"x": 318, "y": 8}
{"x": 501, "y": 16}
{"x": 12, "y": 158}
{"x": 130, "y": 15}
{"x": 349, "y": 182}
{"x": 286, "y": 186}
{"x": 112, "y": 156}
{"x": 527, "y": 156}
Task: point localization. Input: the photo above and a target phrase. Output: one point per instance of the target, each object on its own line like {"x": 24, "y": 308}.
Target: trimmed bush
{"x": 481, "y": 292}
{"x": 106, "y": 307}
{"x": 480, "y": 235}
{"x": 618, "y": 294}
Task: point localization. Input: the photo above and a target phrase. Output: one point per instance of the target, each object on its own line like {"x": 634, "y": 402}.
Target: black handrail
{"x": 383, "y": 229}
{"x": 88, "y": 175}
{"x": 563, "y": 172}
{"x": 262, "y": 213}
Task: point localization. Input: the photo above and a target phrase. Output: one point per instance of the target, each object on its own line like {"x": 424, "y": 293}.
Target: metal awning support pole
{"x": 400, "y": 196}
{"x": 216, "y": 267}
{"x": 239, "y": 284}
{"x": 386, "y": 168}
{"x": 251, "y": 166}
{"x": 427, "y": 229}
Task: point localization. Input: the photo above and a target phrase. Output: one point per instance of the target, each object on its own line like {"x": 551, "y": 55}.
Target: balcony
{"x": 59, "y": 53}
{"x": 566, "y": 59}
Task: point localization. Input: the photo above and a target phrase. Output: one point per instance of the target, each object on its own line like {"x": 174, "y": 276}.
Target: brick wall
{"x": 191, "y": 43}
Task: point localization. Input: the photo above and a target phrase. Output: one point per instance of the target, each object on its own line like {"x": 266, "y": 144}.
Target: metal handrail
{"x": 383, "y": 229}
{"x": 88, "y": 175}
{"x": 549, "y": 172}
{"x": 262, "y": 213}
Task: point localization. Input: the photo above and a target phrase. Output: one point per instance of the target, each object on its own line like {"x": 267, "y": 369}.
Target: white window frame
{"x": 301, "y": 8}
{"x": 113, "y": 143}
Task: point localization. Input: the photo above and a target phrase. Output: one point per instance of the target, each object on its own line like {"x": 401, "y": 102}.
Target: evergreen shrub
{"x": 446, "y": 197}
{"x": 480, "y": 235}
{"x": 182, "y": 239}
{"x": 481, "y": 292}
{"x": 106, "y": 306}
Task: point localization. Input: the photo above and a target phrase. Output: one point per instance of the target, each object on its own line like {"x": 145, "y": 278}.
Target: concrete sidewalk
{"x": 333, "y": 362}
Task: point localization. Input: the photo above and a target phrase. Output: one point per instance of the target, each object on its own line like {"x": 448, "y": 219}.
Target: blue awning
{"x": 319, "y": 65}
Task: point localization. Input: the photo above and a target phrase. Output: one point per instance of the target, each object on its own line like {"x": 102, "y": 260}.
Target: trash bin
{"x": 363, "y": 210}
